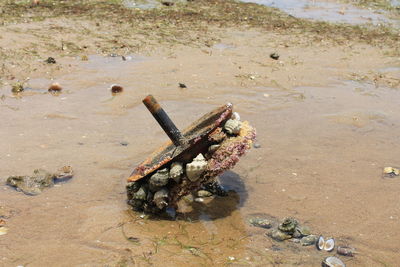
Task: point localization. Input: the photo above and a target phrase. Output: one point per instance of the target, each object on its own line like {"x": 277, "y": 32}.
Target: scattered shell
{"x": 274, "y": 56}
{"x": 204, "y": 193}
{"x": 232, "y": 126}
{"x": 141, "y": 194}
{"x": 176, "y": 171}
{"x": 196, "y": 167}
{"x": 51, "y": 60}
{"x": 159, "y": 179}
{"x": 327, "y": 245}
{"x": 288, "y": 225}
{"x": 235, "y": 116}
{"x": 3, "y": 230}
{"x": 17, "y": 87}
{"x": 346, "y": 251}
{"x": 116, "y": 89}
{"x": 333, "y": 262}
{"x": 279, "y": 235}
{"x": 160, "y": 198}
{"x": 259, "y": 222}
{"x": 309, "y": 240}
{"x": 55, "y": 87}
{"x": 391, "y": 171}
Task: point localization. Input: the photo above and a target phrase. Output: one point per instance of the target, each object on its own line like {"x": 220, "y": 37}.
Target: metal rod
{"x": 163, "y": 120}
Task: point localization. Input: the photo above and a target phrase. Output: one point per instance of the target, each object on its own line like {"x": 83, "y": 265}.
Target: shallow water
{"x": 321, "y": 157}
{"x": 327, "y": 11}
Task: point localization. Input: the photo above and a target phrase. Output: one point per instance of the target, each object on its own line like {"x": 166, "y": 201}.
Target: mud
{"x": 327, "y": 119}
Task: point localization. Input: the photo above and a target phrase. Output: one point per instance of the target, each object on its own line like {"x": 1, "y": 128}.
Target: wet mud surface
{"x": 326, "y": 131}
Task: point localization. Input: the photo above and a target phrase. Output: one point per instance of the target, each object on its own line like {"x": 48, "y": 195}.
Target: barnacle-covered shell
{"x": 288, "y": 225}
{"x": 333, "y": 262}
{"x": 232, "y": 126}
{"x": 159, "y": 179}
{"x": 160, "y": 198}
{"x": 196, "y": 167}
{"x": 309, "y": 240}
{"x": 140, "y": 194}
{"x": 279, "y": 235}
{"x": 176, "y": 171}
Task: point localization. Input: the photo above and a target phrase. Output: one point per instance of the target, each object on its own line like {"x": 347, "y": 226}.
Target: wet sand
{"x": 327, "y": 119}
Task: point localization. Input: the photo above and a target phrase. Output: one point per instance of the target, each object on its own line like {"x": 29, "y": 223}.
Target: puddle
{"x": 327, "y": 11}
{"x": 321, "y": 151}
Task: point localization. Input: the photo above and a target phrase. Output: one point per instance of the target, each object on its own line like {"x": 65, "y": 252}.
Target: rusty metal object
{"x": 147, "y": 188}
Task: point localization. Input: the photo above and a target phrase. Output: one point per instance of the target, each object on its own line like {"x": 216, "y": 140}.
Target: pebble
{"x": 124, "y": 143}
{"x": 308, "y": 240}
{"x": 256, "y": 145}
{"x": 274, "y": 56}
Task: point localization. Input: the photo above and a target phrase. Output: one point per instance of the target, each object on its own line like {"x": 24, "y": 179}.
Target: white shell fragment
{"x": 196, "y": 167}
{"x": 232, "y": 126}
{"x": 176, "y": 171}
{"x": 235, "y": 116}
{"x": 3, "y": 230}
{"x": 391, "y": 170}
{"x": 333, "y": 262}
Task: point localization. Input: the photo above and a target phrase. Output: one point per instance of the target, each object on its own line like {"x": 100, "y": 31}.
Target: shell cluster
{"x": 172, "y": 182}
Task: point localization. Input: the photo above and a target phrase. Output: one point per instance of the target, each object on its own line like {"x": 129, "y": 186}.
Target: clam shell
{"x": 196, "y": 167}
{"x": 320, "y": 243}
{"x": 333, "y": 262}
{"x": 346, "y": 251}
{"x": 329, "y": 245}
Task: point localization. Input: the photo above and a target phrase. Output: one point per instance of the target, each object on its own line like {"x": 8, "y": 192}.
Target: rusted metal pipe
{"x": 163, "y": 120}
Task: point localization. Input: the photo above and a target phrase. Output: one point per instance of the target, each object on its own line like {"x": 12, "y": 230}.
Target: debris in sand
{"x": 260, "y": 222}
{"x": 346, "y": 251}
{"x": 34, "y": 184}
{"x": 188, "y": 164}
{"x": 51, "y": 60}
{"x": 333, "y": 262}
{"x": 55, "y": 88}
{"x": 17, "y": 87}
{"x": 182, "y": 85}
{"x": 391, "y": 172}
{"x": 327, "y": 245}
{"x": 116, "y": 89}
{"x": 274, "y": 56}
{"x": 3, "y": 230}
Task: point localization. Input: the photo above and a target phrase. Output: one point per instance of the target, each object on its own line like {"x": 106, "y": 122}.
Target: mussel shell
{"x": 333, "y": 262}
{"x": 329, "y": 245}
{"x": 320, "y": 243}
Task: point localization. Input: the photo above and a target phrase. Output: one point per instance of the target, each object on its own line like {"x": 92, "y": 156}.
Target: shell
{"x": 196, "y": 167}
{"x": 176, "y": 171}
{"x": 346, "y": 251}
{"x": 333, "y": 262}
{"x": 329, "y": 245}
{"x": 235, "y": 116}
{"x": 232, "y": 126}
{"x": 204, "y": 193}
{"x": 213, "y": 148}
{"x": 140, "y": 194}
{"x": 279, "y": 235}
{"x": 391, "y": 170}
{"x": 309, "y": 240}
{"x": 260, "y": 222}
{"x": 160, "y": 198}
{"x": 55, "y": 87}
{"x": 288, "y": 225}
{"x": 159, "y": 179}
{"x": 320, "y": 243}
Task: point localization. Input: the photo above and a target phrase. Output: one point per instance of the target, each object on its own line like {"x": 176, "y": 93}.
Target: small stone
{"x": 51, "y": 60}
{"x": 309, "y": 240}
{"x": 182, "y": 85}
{"x": 204, "y": 193}
{"x": 199, "y": 199}
{"x": 279, "y": 235}
{"x": 124, "y": 143}
{"x": 256, "y": 145}
{"x": 274, "y": 56}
